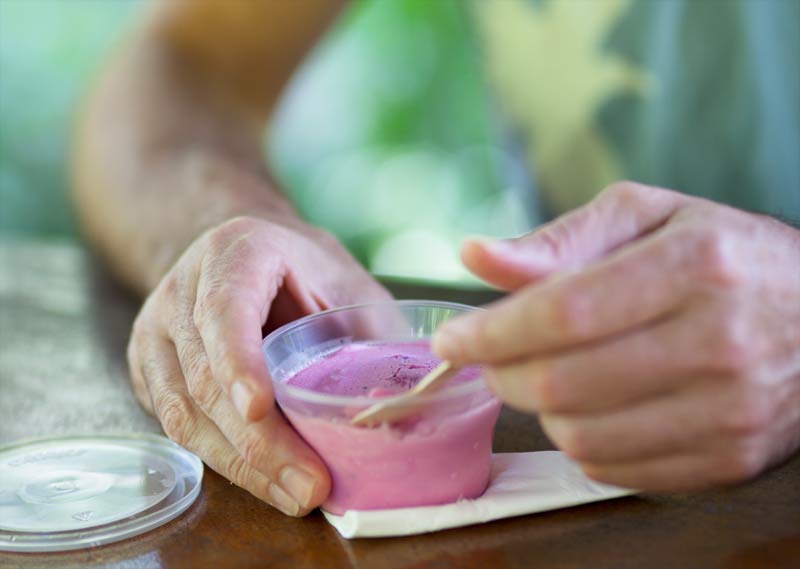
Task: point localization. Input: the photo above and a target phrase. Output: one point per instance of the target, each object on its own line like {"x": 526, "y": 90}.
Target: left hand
{"x": 657, "y": 336}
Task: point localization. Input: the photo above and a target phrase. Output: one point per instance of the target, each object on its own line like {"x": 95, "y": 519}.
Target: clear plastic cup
{"x": 439, "y": 455}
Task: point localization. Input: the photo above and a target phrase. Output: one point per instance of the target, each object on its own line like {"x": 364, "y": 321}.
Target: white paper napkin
{"x": 521, "y": 483}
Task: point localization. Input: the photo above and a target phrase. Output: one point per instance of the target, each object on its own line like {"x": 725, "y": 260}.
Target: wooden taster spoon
{"x": 394, "y": 408}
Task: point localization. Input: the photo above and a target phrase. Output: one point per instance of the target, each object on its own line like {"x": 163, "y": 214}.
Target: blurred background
{"x": 371, "y": 141}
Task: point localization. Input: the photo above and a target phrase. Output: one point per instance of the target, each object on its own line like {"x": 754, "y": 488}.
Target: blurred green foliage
{"x": 385, "y": 137}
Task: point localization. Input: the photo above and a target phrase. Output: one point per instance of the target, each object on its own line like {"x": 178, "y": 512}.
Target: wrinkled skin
{"x": 195, "y": 350}
{"x": 656, "y": 335}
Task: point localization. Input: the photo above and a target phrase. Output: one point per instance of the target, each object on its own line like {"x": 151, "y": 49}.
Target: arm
{"x": 169, "y": 143}
{"x": 171, "y": 188}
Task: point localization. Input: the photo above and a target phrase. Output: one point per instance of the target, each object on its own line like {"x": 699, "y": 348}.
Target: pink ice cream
{"x": 437, "y": 457}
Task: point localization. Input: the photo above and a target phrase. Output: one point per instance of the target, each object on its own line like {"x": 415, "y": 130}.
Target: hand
{"x": 657, "y": 336}
{"x": 195, "y": 350}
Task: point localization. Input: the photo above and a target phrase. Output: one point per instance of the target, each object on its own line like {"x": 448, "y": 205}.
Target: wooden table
{"x": 63, "y": 330}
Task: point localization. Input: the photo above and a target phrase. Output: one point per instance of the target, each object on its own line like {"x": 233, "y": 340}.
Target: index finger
{"x": 632, "y": 287}
{"x": 230, "y": 308}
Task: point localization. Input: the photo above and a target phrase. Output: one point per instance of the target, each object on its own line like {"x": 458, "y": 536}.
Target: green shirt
{"x": 701, "y": 96}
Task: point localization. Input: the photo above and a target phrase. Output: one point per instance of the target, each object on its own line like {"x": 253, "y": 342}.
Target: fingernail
{"x": 442, "y": 344}
{"x": 241, "y": 396}
{"x": 282, "y": 500}
{"x": 494, "y": 245}
{"x": 299, "y": 484}
{"x": 525, "y": 249}
{"x": 445, "y": 342}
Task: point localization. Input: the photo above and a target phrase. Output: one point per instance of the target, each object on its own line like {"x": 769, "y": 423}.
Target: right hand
{"x": 195, "y": 350}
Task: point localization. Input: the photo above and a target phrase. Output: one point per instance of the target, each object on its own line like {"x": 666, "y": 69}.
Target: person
{"x": 655, "y": 333}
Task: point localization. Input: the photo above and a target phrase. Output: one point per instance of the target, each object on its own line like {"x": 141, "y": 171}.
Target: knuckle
{"x": 138, "y": 329}
{"x": 239, "y": 471}
{"x": 254, "y": 450}
{"x": 750, "y": 415}
{"x": 576, "y": 442}
{"x": 624, "y": 192}
{"x": 715, "y": 260}
{"x": 230, "y": 247}
{"x": 733, "y": 352}
{"x": 195, "y": 366}
{"x": 555, "y": 238}
{"x": 181, "y": 327}
{"x": 218, "y": 290}
{"x": 177, "y": 418}
{"x": 546, "y": 388}
{"x": 485, "y": 332}
{"x": 740, "y": 462}
{"x": 210, "y": 305}
{"x": 229, "y": 241}
{"x": 570, "y": 315}
{"x": 232, "y": 228}
{"x": 170, "y": 285}
{"x": 205, "y": 392}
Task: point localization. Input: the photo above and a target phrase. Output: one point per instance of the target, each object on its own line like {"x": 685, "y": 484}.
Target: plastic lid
{"x": 74, "y": 492}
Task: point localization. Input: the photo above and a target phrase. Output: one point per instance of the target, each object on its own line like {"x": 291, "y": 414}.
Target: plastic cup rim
{"x": 309, "y": 396}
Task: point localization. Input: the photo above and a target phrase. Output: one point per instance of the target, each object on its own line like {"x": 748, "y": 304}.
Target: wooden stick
{"x": 394, "y": 408}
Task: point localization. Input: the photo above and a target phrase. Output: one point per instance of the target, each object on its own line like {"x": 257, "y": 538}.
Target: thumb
{"x": 507, "y": 263}
{"x": 622, "y": 213}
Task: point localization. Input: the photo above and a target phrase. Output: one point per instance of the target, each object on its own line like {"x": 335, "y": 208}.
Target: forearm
{"x": 158, "y": 159}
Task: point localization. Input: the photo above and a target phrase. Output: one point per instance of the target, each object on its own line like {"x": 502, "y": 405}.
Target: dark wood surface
{"x": 63, "y": 330}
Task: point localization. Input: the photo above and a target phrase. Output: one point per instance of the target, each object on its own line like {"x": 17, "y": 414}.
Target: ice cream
{"x": 373, "y": 368}
{"x": 437, "y": 457}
